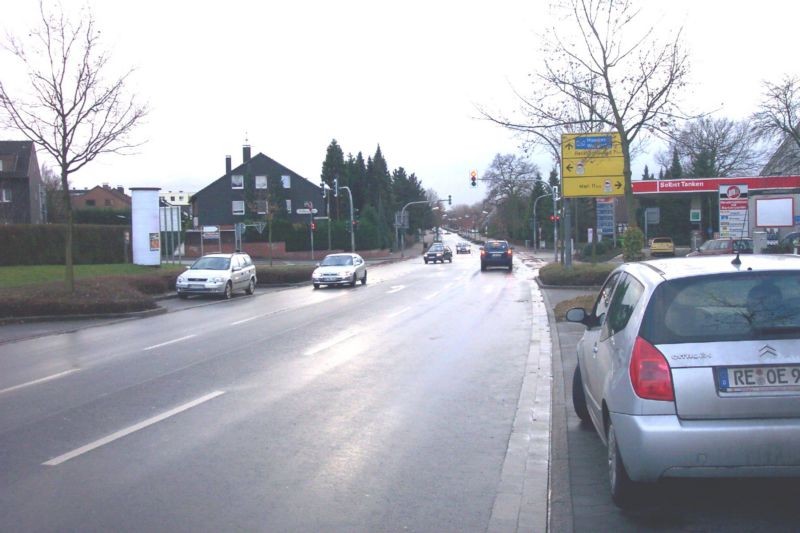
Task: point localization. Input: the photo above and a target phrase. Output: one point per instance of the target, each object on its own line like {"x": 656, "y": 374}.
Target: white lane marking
{"x": 432, "y": 295}
{"x": 173, "y": 341}
{"x": 127, "y": 431}
{"x": 37, "y": 381}
{"x": 447, "y": 286}
{"x": 400, "y": 312}
{"x": 245, "y": 320}
{"x": 331, "y": 342}
{"x": 395, "y": 288}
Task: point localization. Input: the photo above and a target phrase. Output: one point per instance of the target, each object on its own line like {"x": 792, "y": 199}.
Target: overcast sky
{"x": 291, "y": 76}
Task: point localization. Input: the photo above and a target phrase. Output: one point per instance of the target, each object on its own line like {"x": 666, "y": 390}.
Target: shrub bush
{"x": 633, "y": 244}
{"x": 96, "y": 296}
{"x": 43, "y": 244}
{"x": 580, "y": 274}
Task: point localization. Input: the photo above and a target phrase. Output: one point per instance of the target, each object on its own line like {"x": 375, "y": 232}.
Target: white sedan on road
{"x": 340, "y": 269}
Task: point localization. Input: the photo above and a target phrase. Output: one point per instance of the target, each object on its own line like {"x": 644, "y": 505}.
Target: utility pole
{"x": 402, "y": 218}
{"x": 352, "y": 226}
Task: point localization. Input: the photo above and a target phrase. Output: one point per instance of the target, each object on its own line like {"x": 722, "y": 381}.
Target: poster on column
{"x": 733, "y": 219}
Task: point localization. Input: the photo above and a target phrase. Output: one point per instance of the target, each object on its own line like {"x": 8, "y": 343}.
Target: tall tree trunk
{"x": 69, "y": 271}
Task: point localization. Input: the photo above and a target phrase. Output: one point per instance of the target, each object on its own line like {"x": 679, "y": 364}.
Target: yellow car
{"x": 662, "y": 246}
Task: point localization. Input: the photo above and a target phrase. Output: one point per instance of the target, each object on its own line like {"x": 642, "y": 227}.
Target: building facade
{"x": 21, "y": 190}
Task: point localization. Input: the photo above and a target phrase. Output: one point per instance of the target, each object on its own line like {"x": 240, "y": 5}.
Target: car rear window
{"x": 725, "y": 307}
{"x": 662, "y": 240}
{"x": 496, "y": 246}
{"x": 741, "y": 245}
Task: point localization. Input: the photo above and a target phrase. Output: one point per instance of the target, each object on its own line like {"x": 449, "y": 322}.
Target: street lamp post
{"x": 352, "y": 227}
{"x": 402, "y": 219}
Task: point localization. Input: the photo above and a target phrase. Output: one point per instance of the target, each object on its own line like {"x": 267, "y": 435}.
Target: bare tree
{"x": 613, "y": 77}
{"x": 732, "y": 146}
{"x": 69, "y": 109}
{"x": 778, "y": 119}
{"x": 511, "y": 180}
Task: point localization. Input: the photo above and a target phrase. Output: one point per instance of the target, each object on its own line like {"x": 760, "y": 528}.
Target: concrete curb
{"x": 522, "y": 502}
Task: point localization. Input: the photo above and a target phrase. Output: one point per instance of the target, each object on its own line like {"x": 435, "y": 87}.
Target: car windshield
{"x": 212, "y": 263}
{"x": 729, "y": 307}
{"x": 337, "y": 260}
{"x": 437, "y": 248}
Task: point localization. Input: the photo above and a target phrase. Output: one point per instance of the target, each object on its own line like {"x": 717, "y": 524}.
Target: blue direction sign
{"x": 594, "y": 142}
{"x": 605, "y": 217}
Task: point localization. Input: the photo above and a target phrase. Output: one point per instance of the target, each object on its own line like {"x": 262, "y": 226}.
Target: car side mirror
{"x": 577, "y": 314}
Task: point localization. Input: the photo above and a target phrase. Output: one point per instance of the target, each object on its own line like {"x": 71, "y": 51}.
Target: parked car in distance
{"x": 690, "y": 368}
{"x": 463, "y": 248}
{"x": 662, "y": 247}
{"x": 219, "y": 274}
{"x": 438, "y": 252}
{"x": 790, "y": 240}
{"x": 724, "y": 246}
{"x": 340, "y": 269}
{"x": 496, "y": 253}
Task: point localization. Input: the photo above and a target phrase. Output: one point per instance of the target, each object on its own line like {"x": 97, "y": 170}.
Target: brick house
{"x": 241, "y": 193}
{"x": 21, "y": 190}
{"x": 101, "y": 197}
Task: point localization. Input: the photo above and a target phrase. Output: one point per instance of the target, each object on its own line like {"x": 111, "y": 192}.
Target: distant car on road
{"x": 340, "y": 269}
{"x": 724, "y": 246}
{"x": 690, "y": 368}
{"x": 219, "y": 274}
{"x": 463, "y": 248}
{"x": 662, "y": 247}
{"x": 438, "y": 252}
{"x": 497, "y": 254}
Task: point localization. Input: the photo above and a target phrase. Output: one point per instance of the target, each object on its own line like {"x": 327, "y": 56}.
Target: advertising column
{"x": 145, "y": 226}
{"x": 733, "y": 222}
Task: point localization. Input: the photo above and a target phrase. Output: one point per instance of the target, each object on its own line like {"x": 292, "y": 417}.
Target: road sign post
{"x": 592, "y": 165}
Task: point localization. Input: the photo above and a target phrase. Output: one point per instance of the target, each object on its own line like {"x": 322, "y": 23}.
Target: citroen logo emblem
{"x": 767, "y": 351}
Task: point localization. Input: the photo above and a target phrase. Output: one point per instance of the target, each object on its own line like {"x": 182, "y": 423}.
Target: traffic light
{"x": 313, "y": 226}
{"x": 554, "y": 218}
{"x": 473, "y": 176}
{"x": 449, "y": 200}
{"x": 336, "y": 186}
{"x": 324, "y": 190}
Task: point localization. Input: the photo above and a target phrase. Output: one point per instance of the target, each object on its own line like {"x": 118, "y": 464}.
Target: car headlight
{"x": 217, "y": 279}
{"x": 181, "y": 280}
{"x": 347, "y": 273}
{"x": 315, "y": 274}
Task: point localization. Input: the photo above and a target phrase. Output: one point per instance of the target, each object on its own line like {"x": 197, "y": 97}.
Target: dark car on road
{"x": 463, "y": 248}
{"x": 438, "y": 252}
{"x": 496, "y": 254}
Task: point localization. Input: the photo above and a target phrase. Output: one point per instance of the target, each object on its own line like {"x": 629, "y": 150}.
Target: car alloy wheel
{"x": 228, "y": 291}
{"x": 353, "y": 281}
{"x": 251, "y": 287}
{"x": 316, "y": 286}
{"x": 364, "y": 279}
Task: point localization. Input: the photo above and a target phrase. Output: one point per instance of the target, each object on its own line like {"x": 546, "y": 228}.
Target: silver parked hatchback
{"x": 691, "y": 368}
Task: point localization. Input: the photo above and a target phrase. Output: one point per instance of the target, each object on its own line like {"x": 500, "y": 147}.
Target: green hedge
{"x": 578, "y": 274}
{"x": 43, "y": 244}
{"x": 280, "y": 274}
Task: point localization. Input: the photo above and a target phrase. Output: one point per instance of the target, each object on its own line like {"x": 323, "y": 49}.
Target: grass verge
{"x": 586, "y": 301}
{"x": 22, "y": 275}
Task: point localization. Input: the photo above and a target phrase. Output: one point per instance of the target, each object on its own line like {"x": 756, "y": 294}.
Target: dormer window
{"x": 237, "y": 181}
{"x": 286, "y": 180}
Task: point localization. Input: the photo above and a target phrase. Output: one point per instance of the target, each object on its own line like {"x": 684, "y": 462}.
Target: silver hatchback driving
{"x": 691, "y": 368}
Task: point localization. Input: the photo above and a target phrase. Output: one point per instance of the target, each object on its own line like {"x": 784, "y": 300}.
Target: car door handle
{"x": 594, "y": 350}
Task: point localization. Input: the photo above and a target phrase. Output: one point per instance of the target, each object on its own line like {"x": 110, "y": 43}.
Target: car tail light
{"x": 509, "y": 251}
{"x": 483, "y": 252}
{"x": 650, "y": 374}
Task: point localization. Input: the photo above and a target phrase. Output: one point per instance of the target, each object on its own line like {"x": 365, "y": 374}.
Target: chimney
{"x": 227, "y": 164}
{"x": 245, "y": 153}
{"x": 120, "y": 189}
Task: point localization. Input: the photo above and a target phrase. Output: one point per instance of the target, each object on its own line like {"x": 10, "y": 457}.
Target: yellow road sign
{"x": 590, "y": 145}
{"x": 584, "y": 167}
{"x": 593, "y": 186}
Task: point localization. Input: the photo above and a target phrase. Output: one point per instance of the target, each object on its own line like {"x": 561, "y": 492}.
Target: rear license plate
{"x": 759, "y": 378}
{"x": 497, "y": 255}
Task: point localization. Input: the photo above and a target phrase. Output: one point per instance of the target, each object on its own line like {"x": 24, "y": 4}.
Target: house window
{"x": 171, "y": 198}
{"x": 238, "y": 207}
{"x": 237, "y": 181}
{"x": 108, "y": 202}
{"x": 261, "y": 182}
{"x": 289, "y": 206}
{"x": 5, "y": 196}
{"x": 90, "y": 203}
{"x": 286, "y": 180}
{"x": 261, "y": 206}
{"x": 1, "y": 165}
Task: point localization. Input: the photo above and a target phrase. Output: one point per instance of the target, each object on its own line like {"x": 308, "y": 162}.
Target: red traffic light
{"x": 554, "y": 218}
{"x": 313, "y": 226}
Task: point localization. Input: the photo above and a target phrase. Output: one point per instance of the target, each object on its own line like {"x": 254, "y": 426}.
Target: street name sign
{"x": 304, "y": 211}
